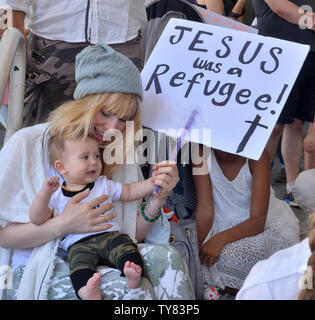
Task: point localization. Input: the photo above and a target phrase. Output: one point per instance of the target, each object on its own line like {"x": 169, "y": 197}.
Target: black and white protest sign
{"x": 237, "y": 81}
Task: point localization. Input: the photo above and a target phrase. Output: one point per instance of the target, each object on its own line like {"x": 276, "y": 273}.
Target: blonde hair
{"x": 56, "y": 147}
{"x": 74, "y": 119}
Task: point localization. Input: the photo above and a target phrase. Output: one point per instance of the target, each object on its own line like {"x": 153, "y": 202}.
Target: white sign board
{"x": 237, "y": 81}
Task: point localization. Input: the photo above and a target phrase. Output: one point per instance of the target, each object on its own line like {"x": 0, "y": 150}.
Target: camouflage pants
{"x": 112, "y": 249}
{"x": 50, "y": 76}
{"x": 166, "y": 277}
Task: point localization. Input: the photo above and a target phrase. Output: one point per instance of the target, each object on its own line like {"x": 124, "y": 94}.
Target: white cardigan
{"x": 21, "y": 176}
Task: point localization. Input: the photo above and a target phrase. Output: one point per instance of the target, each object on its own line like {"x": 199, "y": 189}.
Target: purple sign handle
{"x": 179, "y": 142}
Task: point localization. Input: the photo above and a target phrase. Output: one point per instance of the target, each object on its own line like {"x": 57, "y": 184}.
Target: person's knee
{"x": 309, "y": 145}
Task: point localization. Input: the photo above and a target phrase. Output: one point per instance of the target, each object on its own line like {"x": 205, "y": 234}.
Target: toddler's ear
{"x": 59, "y": 166}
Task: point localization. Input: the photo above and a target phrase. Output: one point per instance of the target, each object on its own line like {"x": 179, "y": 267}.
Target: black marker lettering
{"x": 218, "y": 66}
{"x": 206, "y": 91}
{"x": 177, "y": 76}
{"x": 276, "y": 60}
{"x": 196, "y": 40}
{"x": 207, "y": 65}
{"x": 192, "y": 82}
{"x": 265, "y": 98}
{"x": 244, "y": 93}
{"x": 180, "y": 37}
{"x": 199, "y": 64}
{"x": 250, "y": 131}
{"x": 230, "y": 87}
{"x": 284, "y": 89}
{"x": 246, "y": 46}
{"x": 154, "y": 78}
{"x": 228, "y": 50}
{"x": 237, "y": 71}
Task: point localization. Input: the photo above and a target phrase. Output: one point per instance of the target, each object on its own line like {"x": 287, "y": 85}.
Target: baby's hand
{"x": 50, "y": 185}
{"x": 165, "y": 175}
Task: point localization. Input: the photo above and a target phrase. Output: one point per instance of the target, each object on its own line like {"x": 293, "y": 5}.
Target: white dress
{"x": 231, "y": 207}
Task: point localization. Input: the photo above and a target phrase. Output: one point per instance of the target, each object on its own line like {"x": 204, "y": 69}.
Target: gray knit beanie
{"x": 99, "y": 68}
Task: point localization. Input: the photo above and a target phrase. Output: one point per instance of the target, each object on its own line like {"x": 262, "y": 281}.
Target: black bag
{"x": 183, "y": 237}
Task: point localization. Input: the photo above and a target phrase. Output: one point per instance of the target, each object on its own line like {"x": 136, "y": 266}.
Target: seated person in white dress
{"x": 239, "y": 220}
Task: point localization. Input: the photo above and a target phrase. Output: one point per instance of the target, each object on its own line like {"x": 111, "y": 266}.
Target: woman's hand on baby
{"x": 165, "y": 175}
{"x": 85, "y": 217}
{"x": 50, "y": 185}
{"x": 211, "y": 250}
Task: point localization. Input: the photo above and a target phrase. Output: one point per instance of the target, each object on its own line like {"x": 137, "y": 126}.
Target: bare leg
{"x": 273, "y": 141}
{"x": 133, "y": 274}
{"x": 292, "y": 148}
{"x": 92, "y": 289}
{"x": 309, "y": 148}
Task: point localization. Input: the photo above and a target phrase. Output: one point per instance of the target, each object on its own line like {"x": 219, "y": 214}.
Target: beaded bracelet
{"x": 145, "y": 217}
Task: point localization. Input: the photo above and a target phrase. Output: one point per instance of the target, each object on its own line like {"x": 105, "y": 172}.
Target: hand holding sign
{"x": 181, "y": 138}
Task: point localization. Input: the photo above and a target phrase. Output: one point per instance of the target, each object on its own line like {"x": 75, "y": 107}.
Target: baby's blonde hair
{"x": 56, "y": 147}
{"x": 74, "y": 119}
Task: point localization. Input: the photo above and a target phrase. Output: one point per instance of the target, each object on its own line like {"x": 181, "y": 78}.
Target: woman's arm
{"x": 75, "y": 218}
{"x": 252, "y": 226}
{"x": 290, "y": 12}
{"x": 28, "y": 235}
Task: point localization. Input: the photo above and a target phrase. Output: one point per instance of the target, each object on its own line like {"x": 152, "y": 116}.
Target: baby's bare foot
{"x": 133, "y": 274}
{"x": 92, "y": 289}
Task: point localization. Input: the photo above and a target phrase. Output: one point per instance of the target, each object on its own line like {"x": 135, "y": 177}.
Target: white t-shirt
{"x": 101, "y": 186}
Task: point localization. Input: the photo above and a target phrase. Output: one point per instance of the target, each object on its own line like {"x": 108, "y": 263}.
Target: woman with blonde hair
{"x": 108, "y": 93}
{"x": 76, "y": 118}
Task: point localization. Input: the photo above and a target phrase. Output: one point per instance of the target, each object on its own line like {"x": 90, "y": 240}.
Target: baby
{"x": 79, "y": 163}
